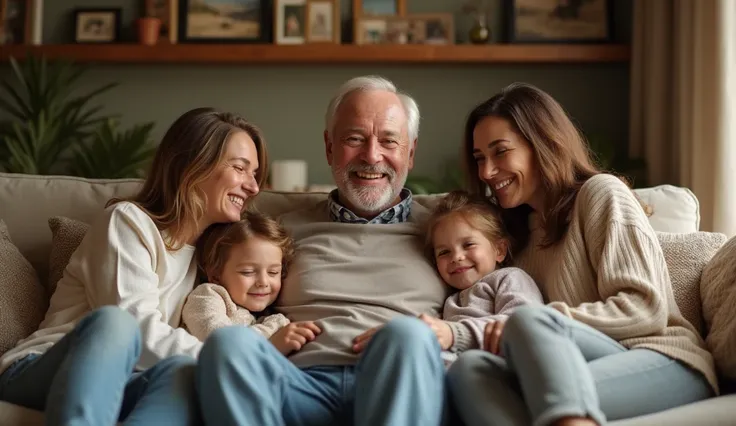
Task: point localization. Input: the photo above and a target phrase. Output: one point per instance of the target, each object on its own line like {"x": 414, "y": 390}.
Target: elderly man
{"x": 354, "y": 292}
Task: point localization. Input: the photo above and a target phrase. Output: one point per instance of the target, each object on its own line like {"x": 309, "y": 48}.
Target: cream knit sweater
{"x": 609, "y": 273}
{"x": 209, "y": 307}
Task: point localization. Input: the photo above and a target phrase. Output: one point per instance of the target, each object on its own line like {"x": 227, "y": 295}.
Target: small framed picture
{"x": 290, "y": 21}
{"x": 15, "y": 21}
{"x": 371, "y": 31}
{"x": 437, "y": 28}
{"x": 96, "y": 25}
{"x": 223, "y": 21}
{"x": 375, "y": 8}
{"x": 379, "y": 8}
{"x": 553, "y": 21}
{"x": 323, "y": 21}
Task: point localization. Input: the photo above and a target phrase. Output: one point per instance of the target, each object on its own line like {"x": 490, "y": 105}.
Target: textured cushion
{"x": 23, "y": 301}
{"x": 66, "y": 235}
{"x": 686, "y": 256}
{"x": 718, "y": 291}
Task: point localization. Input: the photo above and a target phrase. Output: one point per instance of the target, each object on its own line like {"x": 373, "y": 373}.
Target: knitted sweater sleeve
{"x": 493, "y": 298}
{"x": 210, "y": 307}
{"x": 629, "y": 265}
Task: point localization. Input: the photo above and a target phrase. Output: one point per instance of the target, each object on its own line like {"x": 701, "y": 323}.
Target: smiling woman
{"x": 611, "y": 343}
{"x": 138, "y": 255}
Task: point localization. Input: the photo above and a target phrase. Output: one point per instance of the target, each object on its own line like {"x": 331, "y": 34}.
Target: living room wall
{"x": 288, "y": 101}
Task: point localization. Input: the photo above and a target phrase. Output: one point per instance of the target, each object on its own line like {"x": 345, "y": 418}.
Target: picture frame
{"x": 323, "y": 21}
{"x": 97, "y": 25}
{"x": 15, "y": 21}
{"x": 290, "y": 21}
{"x": 374, "y": 8}
{"x": 435, "y": 28}
{"x": 548, "y": 21}
{"x": 222, "y": 21}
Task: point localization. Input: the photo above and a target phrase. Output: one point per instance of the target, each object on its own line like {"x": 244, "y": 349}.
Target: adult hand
{"x": 441, "y": 329}
{"x": 492, "y": 336}
{"x": 294, "y": 336}
{"x": 360, "y": 342}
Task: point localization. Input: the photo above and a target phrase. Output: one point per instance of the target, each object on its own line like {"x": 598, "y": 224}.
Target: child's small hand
{"x": 294, "y": 336}
{"x": 492, "y": 336}
{"x": 441, "y": 330}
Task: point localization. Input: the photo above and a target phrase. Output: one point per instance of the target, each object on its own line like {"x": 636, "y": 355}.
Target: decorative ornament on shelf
{"x": 478, "y": 9}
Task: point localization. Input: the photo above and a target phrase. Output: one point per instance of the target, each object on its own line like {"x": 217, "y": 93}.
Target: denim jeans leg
{"x": 641, "y": 381}
{"x": 163, "y": 394}
{"x": 243, "y": 380}
{"x": 80, "y": 380}
{"x": 484, "y": 391}
{"x": 400, "y": 379}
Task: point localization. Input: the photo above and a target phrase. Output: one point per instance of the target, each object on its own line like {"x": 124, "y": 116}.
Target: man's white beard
{"x": 369, "y": 199}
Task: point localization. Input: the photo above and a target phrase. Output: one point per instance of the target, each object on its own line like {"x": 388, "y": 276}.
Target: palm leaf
{"x": 113, "y": 153}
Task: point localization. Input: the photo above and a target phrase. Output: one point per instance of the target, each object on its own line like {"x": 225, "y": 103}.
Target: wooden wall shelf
{"x": 245, "y": 54}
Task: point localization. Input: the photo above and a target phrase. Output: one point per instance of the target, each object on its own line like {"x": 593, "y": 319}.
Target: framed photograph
{"x": 379, "y": 8}
{"x": 436, "y": 28}
{"x": 439, "y": 28}
{"x": 323, "y": 21}
{"x": 559, "y": 21}
{"x": 371, "y": 31}
{"x": 375, "y": 8}
{"x": 290, "y": 23}
{"x": 15, "y": 21}
{"x": 223, "y": 21}
{"x": 96, "y": 25}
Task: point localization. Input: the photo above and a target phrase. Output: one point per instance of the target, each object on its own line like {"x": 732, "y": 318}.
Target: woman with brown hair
{"x": 93, "y": 363}
{"x": 611, "y": 342}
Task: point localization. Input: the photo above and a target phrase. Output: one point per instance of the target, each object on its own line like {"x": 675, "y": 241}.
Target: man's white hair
{"x": 372, "y": 82}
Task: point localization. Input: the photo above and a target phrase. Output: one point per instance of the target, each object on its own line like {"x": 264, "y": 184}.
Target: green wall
{"x": 288, "y": 102}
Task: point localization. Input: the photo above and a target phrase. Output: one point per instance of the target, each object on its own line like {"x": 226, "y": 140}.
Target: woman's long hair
{"x": 562, "y": 156}
{"x": 189, "y": 153}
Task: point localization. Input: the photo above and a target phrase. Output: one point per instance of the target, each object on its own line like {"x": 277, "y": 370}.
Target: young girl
{"x": 467, "y": 242}
{"x": 244, "y": 263}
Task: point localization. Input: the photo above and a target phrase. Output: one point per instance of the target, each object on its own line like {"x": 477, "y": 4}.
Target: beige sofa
{"x": 27, "y": 202}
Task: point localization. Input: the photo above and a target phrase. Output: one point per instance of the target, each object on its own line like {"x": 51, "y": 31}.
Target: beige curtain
{"x": 683, "y": 101}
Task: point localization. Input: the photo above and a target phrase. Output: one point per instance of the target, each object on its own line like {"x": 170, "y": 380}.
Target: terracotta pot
{"x": 149, "y": 30}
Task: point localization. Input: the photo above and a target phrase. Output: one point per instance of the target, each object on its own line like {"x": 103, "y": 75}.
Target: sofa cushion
{"x": 718, "y": 291}
{"x": 66, "y": 235}
{"x": 23, "y": 301}
{"x": 28, "y": 201}
{"x": 686, "y": 255}
{"x": 675, "y": 209}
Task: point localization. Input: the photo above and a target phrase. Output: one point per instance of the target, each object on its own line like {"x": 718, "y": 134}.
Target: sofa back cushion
{"x": 686, "y": 256}
{"x": 28, "y": 201}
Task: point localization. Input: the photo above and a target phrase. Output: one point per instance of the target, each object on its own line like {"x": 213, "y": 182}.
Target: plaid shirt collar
{"x": 396, "y": 214}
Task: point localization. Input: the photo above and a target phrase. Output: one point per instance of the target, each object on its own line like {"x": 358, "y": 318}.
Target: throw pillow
{"x": 23, "y": 302}
{"x": 686, "y": 255}
{"x": 718, "y": 290}
{"x": 66, "y": 235}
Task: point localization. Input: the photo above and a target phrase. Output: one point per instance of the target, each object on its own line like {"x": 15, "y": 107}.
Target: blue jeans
{"x": 87, "y": 378}
{"x": 556, "y": 367}
{"x": 399, "y": 380}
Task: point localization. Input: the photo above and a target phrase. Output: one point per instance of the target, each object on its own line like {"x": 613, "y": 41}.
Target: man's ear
{"x": 328, "y": 147}
{"x": 502, "y": 249}
{"x": 412, "y": 150}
